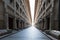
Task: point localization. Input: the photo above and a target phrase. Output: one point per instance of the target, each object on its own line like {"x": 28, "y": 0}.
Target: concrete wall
{"x": 10, "y": 14}
{"x": 1, "y": 14}
{"x": 48, "y": 16}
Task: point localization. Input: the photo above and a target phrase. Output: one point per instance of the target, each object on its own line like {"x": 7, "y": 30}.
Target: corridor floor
{"x": 30, "y": 33}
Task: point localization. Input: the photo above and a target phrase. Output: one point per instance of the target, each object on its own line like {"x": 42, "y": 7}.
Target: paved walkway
{"x": 28, "y": 34}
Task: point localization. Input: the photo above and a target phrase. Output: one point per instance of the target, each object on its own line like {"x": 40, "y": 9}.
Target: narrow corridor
{"x": 16, "y": 17}
{"x": 30, "y": 33}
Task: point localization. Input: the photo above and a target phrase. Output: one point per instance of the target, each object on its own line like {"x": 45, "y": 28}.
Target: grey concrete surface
{"x": 30, "y": 33}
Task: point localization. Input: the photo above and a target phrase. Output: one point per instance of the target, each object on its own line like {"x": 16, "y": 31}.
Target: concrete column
{"x": 19, "y": 23}
{"x": 44, "y": 23}
{"x": 6, "y": 21}
{"x": 50, "y": 21}
{"x": 15, "y": 25}
{"x": 52, "y": 16}
{"x": 22, "y": 24}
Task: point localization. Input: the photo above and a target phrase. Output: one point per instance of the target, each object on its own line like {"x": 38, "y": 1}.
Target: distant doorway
{"x": 17, "y": 21}
{"x": 10, "y": 23}
{"x": 48, "y": 22}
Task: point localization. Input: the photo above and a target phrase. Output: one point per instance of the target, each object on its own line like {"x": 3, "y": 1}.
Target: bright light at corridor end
{"x": 32, "y": 5}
